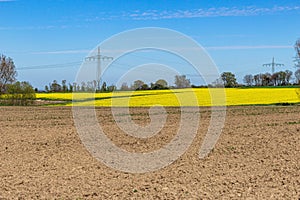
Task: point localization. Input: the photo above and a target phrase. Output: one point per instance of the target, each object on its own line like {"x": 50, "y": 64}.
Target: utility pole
{"x": 98, "y": 58}
{"x": 273, "y": 65}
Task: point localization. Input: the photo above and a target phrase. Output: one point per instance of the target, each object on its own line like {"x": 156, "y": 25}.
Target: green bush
{"x": 18, "y": 94}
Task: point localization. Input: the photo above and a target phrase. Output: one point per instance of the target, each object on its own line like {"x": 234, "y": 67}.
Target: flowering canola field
{"x": 180, "y": 97}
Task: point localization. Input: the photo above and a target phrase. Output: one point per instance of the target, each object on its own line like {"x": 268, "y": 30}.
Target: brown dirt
{"x": 256, "y": 157}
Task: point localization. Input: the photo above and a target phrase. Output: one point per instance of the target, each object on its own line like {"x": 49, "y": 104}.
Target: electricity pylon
{"x": 273, "y": 65}
{"x": 98, "y": 58}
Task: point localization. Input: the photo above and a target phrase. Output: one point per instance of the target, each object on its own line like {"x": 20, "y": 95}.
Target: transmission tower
{"x": 98, "y": 58}
{"x": 273, "y": 65}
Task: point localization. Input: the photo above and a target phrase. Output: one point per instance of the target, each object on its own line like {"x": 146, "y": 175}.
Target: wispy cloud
{"x": 249, "y": 47}
{"x": 210, "y": 12}
{"x": 79, "y": 51}
{"x": 49, "y": 27}
{"x": 6, "y": 0}
{"x": 42, "y": 27}
{"x": 86, "y": 51}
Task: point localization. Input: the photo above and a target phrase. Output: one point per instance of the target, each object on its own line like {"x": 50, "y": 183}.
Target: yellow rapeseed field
{"x": 180, "y": 97}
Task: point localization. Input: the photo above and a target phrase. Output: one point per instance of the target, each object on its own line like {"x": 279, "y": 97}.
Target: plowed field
{"x": 256, "y": 157}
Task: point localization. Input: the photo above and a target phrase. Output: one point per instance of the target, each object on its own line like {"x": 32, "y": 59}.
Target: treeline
{"x": 94, "y": 86}
{"x": 281, "y": 78}
{"x": 180, "y": 82}
{"x": 226, "y": 79}
{"x": 89, "y": 86}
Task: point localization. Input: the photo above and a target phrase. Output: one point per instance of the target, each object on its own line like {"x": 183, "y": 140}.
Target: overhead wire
{"x": 50, "y": 66}
{"x": 116, "y": 64}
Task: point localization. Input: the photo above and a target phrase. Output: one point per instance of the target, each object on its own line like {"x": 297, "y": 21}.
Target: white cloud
{"x": 210, "y": 12}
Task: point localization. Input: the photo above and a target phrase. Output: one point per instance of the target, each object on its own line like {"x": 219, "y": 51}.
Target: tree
{"x": 288, "y": 77}
{"x": 266, "y": 79}
{"x": 297, "y": 75}
{"x": 20, "y": 93}
{"x": 111, "y": 88}
{"x": 46, "y": 88}
{"x": 182, "y": 81}
{"x": 124, "y": 87}
{"x": 248, "y": 79}
{"x": 229, "y": 79}
{"x": 159, "y": 84}
{"x": 297, "y": 48}
{"x": 55, "y": 87}
{"x": 83, "y": 86}
{"x": 137, "y": 85}
{"x": 75, "y": 87}
{"x": 257, "y": 79}
{"x": 7, "y": 72}
{"x": 90, "y": 86}
{"x": 275, "y": 78}
{"x": 103, "y": 87}
{"x": 144, "y": 87}
{"x": 281, "y": 78}
{"x": 64, "y": 86}
{"x": 70, "y": 87}
{"x": 217, "y": 83}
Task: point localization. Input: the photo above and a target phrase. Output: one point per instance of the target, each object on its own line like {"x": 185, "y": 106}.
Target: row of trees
{"x": 140, "y": 85}
{"x": 180, "y": 82}
{"x": 91, "y": 86}
{"x": 226, "y": 79}
{"x": 280, "y": 78}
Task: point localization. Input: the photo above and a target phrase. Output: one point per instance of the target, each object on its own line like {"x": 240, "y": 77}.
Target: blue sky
{"x": 48, "y": 39}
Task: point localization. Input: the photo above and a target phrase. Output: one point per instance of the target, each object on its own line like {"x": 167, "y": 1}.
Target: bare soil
{"x": 256, "y": 157}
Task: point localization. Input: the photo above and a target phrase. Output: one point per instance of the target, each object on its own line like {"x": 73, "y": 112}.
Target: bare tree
{"x": 257, "y": 79}
{"x": 297, "y": 75}
{"x": 124, "y": 87}
{"x": 274, "y": 78}
{"x": 217, "y": 83}
{"x": 248, "y": 79}
{"x": 74, "y": 87}
{"x": 266, "y": 79}
{"x": 297, "y": 48}
{"x": 182, "y": 81}
{"x": 281, "y": 78}
{"x": 7, "y": 72}
{"x": 288, "y": 76}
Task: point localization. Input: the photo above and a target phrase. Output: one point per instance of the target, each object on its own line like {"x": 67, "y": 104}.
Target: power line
{"x": 52, "y": 66}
